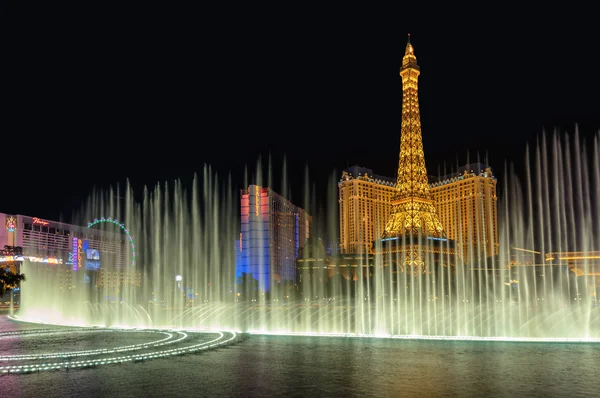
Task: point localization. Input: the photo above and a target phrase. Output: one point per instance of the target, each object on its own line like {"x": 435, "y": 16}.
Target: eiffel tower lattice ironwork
{"x": 413, "y": 210}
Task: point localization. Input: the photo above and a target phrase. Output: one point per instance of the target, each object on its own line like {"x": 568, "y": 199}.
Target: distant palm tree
{"x": 12, "y": 251}
{"x": 10, "y": 280}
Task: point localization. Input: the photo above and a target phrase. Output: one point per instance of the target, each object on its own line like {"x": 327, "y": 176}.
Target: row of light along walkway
{"x": 161, "y": 344}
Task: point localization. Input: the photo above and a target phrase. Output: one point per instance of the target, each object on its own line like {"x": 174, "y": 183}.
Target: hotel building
{"x": 365, "y": 203}
{"x": 466, "y": 204}
{"x": 69, "y": 249}
{"x": 273, "y": 230}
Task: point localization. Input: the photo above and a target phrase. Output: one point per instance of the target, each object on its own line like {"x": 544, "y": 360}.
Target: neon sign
{"x": 79, "y": 247}
{"x": 39, "y": 221}
{"x": 11, "y": 224}
{"x": 75, "y": 257}
{"x": 120, "y": 225}
{"x": 4, "y": 259}
{"x": 257, "y": 200}
{"x": 33, "y": 259}
{"x": 48, "y": 260}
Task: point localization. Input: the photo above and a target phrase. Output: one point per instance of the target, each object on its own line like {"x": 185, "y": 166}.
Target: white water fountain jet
{"x": 185, "y": 236}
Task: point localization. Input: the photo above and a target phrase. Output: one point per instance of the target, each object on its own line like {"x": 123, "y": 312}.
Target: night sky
{"x": 93, "y": 95}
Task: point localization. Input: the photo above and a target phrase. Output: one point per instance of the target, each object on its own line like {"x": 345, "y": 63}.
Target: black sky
{"x": 96, "y": 94}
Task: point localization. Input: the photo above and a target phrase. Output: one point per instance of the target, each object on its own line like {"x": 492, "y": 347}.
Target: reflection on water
{"x": 329, "y": 366}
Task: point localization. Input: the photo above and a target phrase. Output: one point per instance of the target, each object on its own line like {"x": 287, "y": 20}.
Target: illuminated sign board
{"x": 79, "y": 247}
{"x": 48, "y": 260}
{"x": 39, "y": 221}
{"x": 92, "y": 265}
{"x": 11, "y": 224}
{"x": 33, "y": 259}
{"x": 75, "y": 254}
{"x": 89, "y": 257}
{"x": 5, "y": 259}
{"x": 93, "y": 254}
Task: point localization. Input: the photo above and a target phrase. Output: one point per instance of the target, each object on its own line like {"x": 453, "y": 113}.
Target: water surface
{"x": 326, "y": 367}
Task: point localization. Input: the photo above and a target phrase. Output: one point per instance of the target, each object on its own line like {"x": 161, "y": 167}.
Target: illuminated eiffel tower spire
{"x": 413, "y": 212}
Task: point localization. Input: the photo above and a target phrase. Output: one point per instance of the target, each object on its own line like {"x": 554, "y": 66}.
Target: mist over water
{"x": 185, "y": 255}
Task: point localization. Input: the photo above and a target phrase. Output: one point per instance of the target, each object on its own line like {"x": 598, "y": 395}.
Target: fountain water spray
{"x": 185, "y": 255}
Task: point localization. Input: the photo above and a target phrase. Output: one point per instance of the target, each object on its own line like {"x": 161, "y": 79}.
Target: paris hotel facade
{"x": 466, "y": 204}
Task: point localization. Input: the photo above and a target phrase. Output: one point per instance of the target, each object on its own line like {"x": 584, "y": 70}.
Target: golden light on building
{"x": 413, "y": 232}
{"x": 365, "y": 203}
{"x": 461, "y": 206}
{"x": 581, "y": 262}
{"x": 467, "y": 205}
{"x": 413, "y": 211}
{"x": 570, "y": 256}
{"x": 117, "y": 279}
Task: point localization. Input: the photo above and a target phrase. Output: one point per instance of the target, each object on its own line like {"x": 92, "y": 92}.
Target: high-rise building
{"x": 365, "y": 202}
{"x": 467, "y": 205}
{"x": 273, "y": 229}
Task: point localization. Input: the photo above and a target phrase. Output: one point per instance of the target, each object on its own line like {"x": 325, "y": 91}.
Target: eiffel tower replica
{"x": 413, "y": 230}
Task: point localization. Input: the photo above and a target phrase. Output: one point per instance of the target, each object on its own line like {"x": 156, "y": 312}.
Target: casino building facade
{"x": 105, "y": 257}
